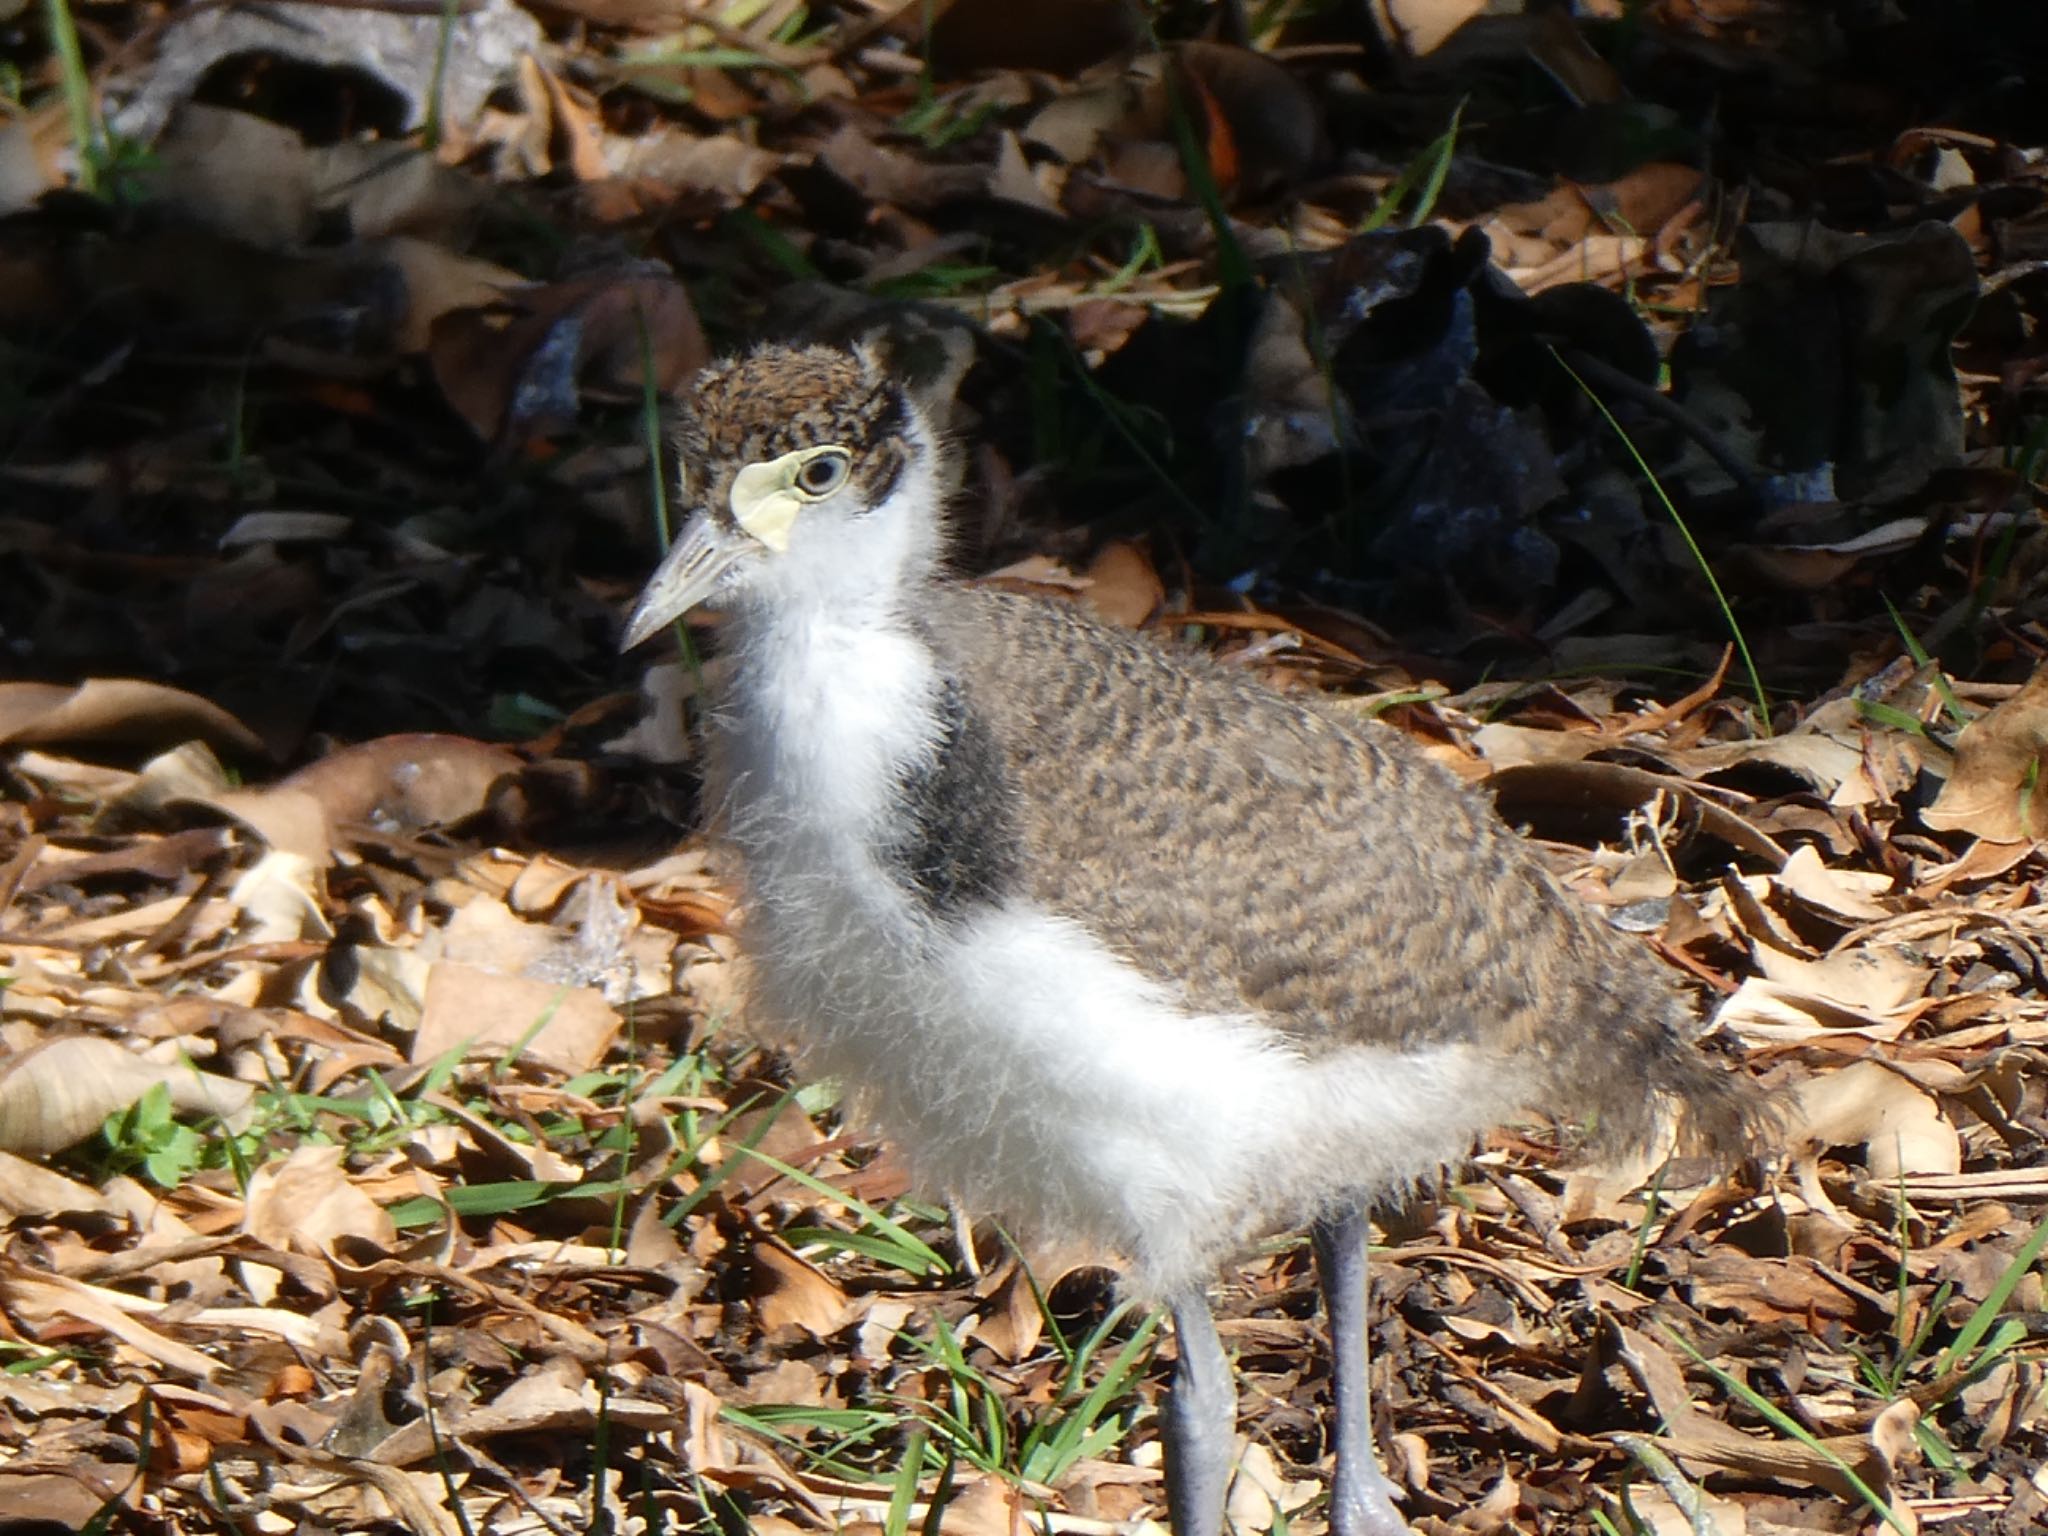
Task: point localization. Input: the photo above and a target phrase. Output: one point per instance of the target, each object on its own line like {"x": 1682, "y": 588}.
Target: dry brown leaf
{"x": 541, "y": 1403}
{"x": 27, "y": 170}
{"x": 1011, "y": 1321}
{"x": 1261, "y": 1494}
{"x": 116, "y": 710}
{"x": 1423, "y": 25}
{"x": 1863, "y": 1104}
{"x": 1994, "y": 792}
{"x": 1613, "y": 790}
{"x": 1982, "y": 860}
{"x": 305, "y": 1202}
{"x": 513, "y": 368}
{"x": 2030, "y": 1184}
{"x": 1073, "y": 124}
{"x": 244, "y": 175}
{"x": 1822, "y": 760}
{"x": 1505, "y": 745}
{"x": 85, "y": 782}
{"x": 29, "y": 1189}
{"x": 60, "y": 1092}
{"x": 488, "y": 935}
{"x": 720, "y": 164}
{"x": 1122, "y": 585}
{"x": 1844, "y": 893}
{"x": 788, "y": 1292}
{"x": 501, "y": 1156}
{"x": 437, "y": 281}
{"x": 482, "y": 1013}
{"x": 1762, "y": 1011}
{"x": 575, "y": 137}
{"x": 175, "y": 1448}
{"x": 35, "y": 1302}
{"x": 986, "y": 1506}
{"x": 386, "y": 985}
{"x": 394, "y": 194}
{"x": 1651, "y": 1504}
{"x": 1864, "y": 979}
{"x": 196, "y": 919}
{"x": 70, "y": 1500}
{"x": 1015, "y": 179}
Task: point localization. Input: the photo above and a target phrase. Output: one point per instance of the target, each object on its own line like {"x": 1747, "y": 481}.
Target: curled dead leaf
{"x": 34, "y": 1301}
{"x": 1995, "y": 792}
{"x": 789, "y": 1292}
{"x": 1122, "y": 585}
{"x": 1845, "y": 894}
{"x": 29, "y": 1189}
{"x": 116, "y": 710}
{"x": 1575, "y": 792}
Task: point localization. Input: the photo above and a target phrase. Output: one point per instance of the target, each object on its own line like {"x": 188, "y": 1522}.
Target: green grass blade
{"x": 78, "y": 103}
{"x": 1428, "y": 170}
{"x": 1756, "y": 682}
{"x": 1785, "y": 1424}
{"x": 1918, "y": 652}
{"x": 1980, "y": 1323}
{"x": 925, "y": 1259}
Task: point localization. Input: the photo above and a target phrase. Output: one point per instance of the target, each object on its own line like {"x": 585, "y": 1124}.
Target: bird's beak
{"x": 702, "y": 553}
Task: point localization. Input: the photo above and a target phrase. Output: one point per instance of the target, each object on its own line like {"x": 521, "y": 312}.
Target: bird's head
{"x": 809, "y": 474}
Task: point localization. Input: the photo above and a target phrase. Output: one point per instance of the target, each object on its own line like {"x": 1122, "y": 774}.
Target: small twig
{"x": 1522, "y": 1195}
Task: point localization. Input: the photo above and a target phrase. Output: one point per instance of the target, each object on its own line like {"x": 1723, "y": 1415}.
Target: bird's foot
{"x": 1362, "y": 1504}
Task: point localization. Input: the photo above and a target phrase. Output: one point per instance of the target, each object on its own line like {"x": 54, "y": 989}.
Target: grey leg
{"x": 1200, "y": 1422}
{"x": 1362, "y": 1498}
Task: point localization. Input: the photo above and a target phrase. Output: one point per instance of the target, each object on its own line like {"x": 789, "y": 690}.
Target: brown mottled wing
{"x": 1257, "y": 852}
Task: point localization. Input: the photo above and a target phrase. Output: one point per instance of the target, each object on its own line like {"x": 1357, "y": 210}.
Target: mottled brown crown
{"x": 775, "y": 400}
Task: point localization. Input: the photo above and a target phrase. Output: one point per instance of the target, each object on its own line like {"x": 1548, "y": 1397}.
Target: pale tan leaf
{"x": 789, "y": 1292}
{"x": 1863, "y": 1104}
{"x": 37, "y": 1301}
{"x": 1995, "y": 792}
{"x": 29, "y": 1189}
{"x": 1846, "y": 893}
{"x": 1763, "y": 1010}
{"x": 115, "y": 709}
{"x": 59, "y": 1093}
{"x": 305, "y": 1201}
{"x": 1865, "y": 980}
{"x": 482, "y": 1013}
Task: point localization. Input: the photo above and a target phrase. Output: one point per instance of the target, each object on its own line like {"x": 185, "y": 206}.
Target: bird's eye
{"x": 823, "y": 473}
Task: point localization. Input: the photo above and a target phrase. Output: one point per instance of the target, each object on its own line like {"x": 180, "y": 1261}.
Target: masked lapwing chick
{"x": 1117, "y": 944}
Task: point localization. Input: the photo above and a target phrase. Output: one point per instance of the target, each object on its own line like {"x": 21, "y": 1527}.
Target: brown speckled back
{"x": 1262, "y": 853}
